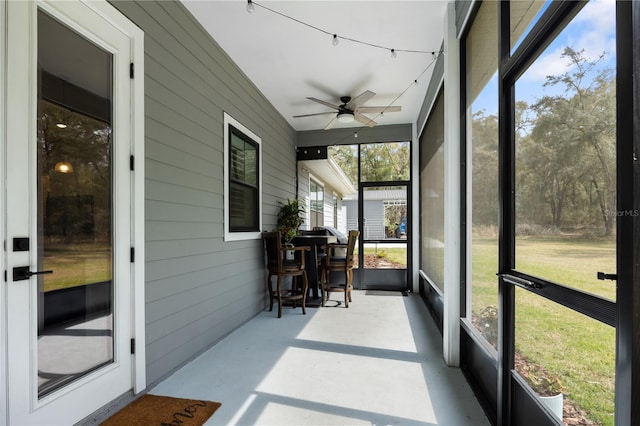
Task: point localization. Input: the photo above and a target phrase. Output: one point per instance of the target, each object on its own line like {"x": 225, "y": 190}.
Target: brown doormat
{"x": 158, "y": 410}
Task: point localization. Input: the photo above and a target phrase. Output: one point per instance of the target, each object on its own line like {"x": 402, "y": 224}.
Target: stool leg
{"x": 323, "y": 277}
{"x": 294, "y": 290}
{"x": 270, "y": 290}
{"x": 305, "y": 286}
{"x": 346, "y": 288}
{"x": 279, "y": 290}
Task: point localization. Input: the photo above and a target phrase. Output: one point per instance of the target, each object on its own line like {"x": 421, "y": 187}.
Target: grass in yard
{"x": 76, "y": 264}
{"x": 571, "y": 262}
{"x": 391, "y": 254}
{"x": 579, "y": 350}
{"x": 396, "y": 255}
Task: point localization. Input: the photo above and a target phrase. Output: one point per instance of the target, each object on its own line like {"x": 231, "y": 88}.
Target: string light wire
{"x": 336, "y": 37}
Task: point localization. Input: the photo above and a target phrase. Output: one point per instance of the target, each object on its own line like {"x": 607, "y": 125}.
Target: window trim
{"x": 334, "y": 200}
{"x": 230, "y": 235}
{"x": 319, "y": 184}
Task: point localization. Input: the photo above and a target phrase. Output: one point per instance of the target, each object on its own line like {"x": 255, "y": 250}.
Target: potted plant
{"x": 290, "y": 217}
{"x": 551, "y": 395}
{"x": 547, "y": 385}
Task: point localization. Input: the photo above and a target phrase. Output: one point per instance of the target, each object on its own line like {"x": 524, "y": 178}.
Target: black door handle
{"x": 603, "y": 276}
{"x": 21, "y": 273}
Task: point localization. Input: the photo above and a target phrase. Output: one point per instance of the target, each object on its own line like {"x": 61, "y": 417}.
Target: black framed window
{"x": 242, "y": 179}
{"x": 243, "y": 182}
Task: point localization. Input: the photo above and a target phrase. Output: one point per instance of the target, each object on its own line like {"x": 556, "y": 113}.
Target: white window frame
{"x": 250, "y": 235}
{"x": 335, "y": 202}
{"x": 322, "y": 185}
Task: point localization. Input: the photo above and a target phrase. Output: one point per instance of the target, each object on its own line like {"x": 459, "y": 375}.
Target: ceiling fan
{"x": 351, "y": 110}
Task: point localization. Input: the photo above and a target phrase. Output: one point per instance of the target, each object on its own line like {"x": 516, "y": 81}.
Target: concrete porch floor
{"x": 378, "y": 362}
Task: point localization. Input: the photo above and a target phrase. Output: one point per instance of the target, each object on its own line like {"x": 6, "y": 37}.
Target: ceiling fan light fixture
{"x": 250, "y": 7}
{"x": 345, "y": 117}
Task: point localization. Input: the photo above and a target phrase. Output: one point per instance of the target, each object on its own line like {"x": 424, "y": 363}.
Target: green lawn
{"x": 76, "y": 264}
{"x": 578, "y": 350}
{"x": 397, "y": 257}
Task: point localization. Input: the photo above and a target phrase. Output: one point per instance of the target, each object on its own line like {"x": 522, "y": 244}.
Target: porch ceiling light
{"x": 345, "y": 117}
{"x": 63, "y": 167}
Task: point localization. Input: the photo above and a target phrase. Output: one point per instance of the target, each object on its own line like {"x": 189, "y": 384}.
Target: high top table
{"x": 311, "y": 261}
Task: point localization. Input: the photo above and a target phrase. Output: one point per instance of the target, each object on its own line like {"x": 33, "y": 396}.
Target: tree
{"x": 484, "y": 168}
{"x": 568, "y": 159}
{"x": 548, "y": 171}
{"x": 379, "y": 161}
{"x": 385, "y": 161}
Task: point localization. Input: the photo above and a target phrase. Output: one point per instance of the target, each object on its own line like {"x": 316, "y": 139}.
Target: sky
{"x": 592, "y": 29}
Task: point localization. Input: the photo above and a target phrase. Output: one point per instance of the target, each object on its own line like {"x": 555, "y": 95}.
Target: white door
{"x": 68, "y": 216}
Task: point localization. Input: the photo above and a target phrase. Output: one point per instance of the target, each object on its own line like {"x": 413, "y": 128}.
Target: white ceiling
{"x": 289, "y": 61}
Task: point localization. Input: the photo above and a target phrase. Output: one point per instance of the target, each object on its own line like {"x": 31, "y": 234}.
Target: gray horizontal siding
{"x": 198, "y": 287}
{"x": 181, "y": 310}
{"x": 179, "y": 345}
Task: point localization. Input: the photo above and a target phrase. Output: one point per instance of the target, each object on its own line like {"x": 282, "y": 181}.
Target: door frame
{"x": 513, "y": 397}
{"x": 3, "y": 288}
{"x": 627, "y": 386}
{"x": 136, "y": 178}
{"x": 360, "y": 272}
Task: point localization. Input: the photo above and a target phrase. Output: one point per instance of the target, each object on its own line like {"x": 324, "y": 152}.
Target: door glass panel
{"x": 560, "y": 351}
{"x": 565, "y": 156}
{"x": 385, "y": 222}
{"x": 74, "y": 206}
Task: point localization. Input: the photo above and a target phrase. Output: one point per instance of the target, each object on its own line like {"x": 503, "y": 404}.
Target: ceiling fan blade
{"x": 364, "y": 120}
{"x": 332, "y": 123}
{"x": 312, "y": 115}
{"x": 360, "y": 99}
{"x": 378, "y": 109}
{"x": 324, "y": 103}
